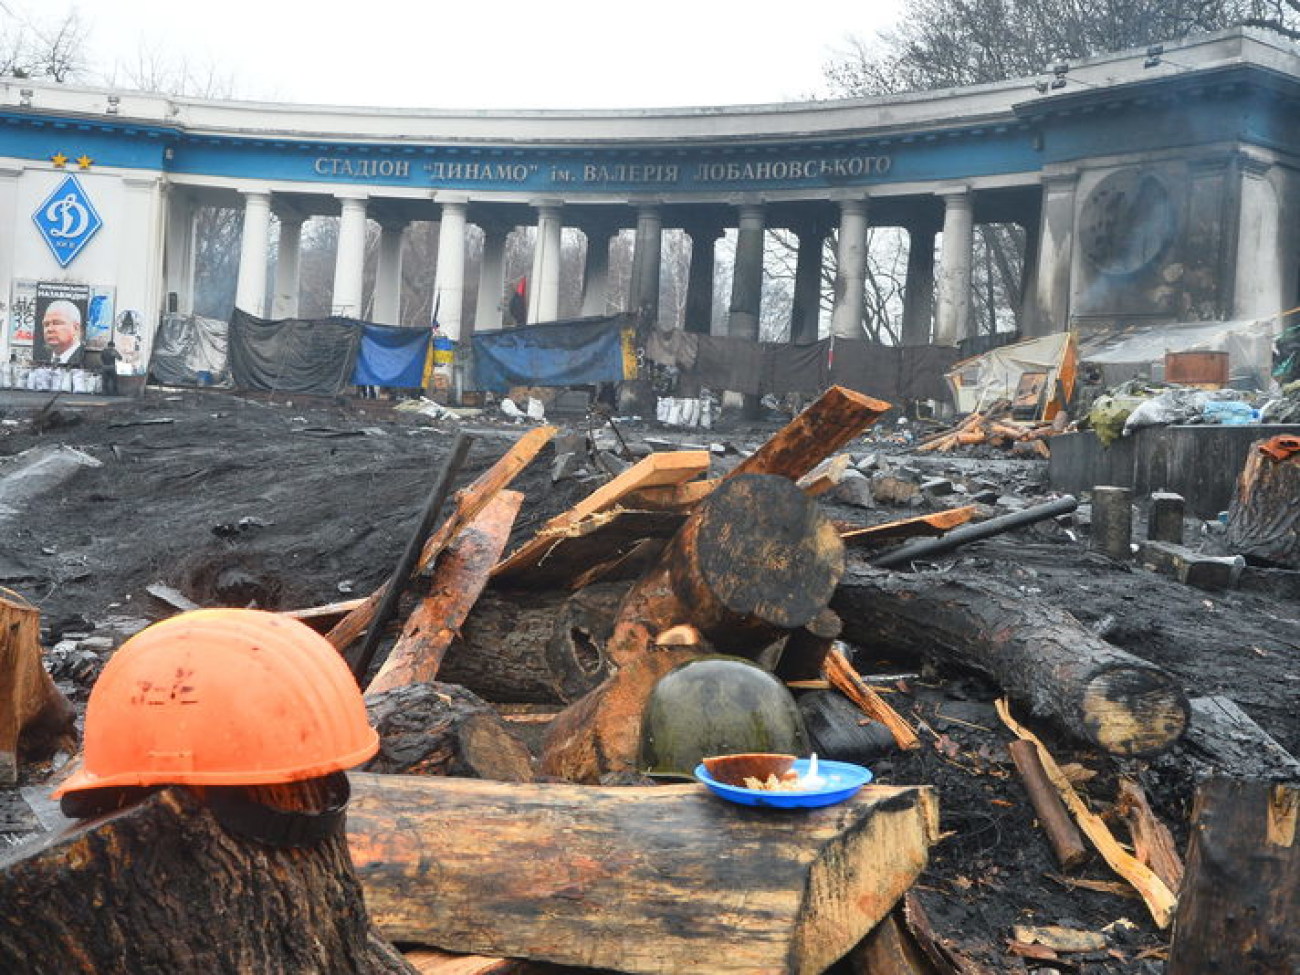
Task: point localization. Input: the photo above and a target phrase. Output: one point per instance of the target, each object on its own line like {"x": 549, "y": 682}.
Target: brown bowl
{"x": 735, "y": 769}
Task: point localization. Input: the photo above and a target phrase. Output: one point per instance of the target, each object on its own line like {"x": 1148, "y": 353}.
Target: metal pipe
{"x": 972, "y": 533}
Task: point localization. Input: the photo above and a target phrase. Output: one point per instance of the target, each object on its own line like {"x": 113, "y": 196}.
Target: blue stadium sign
{"x": 67, "y": 220}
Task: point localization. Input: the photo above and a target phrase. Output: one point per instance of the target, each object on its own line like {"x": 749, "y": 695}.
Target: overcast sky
{"x": 489, "y": 53}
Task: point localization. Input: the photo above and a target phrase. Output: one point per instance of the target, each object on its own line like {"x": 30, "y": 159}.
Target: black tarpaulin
{"x": 293, "y": 355}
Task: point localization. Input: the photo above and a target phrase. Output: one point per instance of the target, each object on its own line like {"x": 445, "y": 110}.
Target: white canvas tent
{"x": 980, "y": 381}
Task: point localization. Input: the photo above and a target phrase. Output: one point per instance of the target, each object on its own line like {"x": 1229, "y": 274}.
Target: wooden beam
{"x": 637, "y": 879}
{"x": 929, "y": 525}
{"x": 457, "y": 582}
{"x": 836, "y": 417}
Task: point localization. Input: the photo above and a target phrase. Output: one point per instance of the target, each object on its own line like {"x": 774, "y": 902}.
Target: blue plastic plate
{"x": 843, "y": 779}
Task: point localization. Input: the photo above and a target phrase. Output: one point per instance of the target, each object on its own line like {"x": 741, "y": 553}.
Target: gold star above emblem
{"x": 59, "y": 160}
{"x": 84, "y": 161}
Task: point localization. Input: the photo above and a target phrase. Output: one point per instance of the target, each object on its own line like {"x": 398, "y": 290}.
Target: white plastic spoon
{"x": 812, "y": 779}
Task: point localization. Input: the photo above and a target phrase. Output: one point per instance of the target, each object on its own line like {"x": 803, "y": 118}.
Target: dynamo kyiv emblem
{"x": 67, "y": 220}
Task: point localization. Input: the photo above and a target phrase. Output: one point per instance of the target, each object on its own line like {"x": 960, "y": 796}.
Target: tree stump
{"x": 35, "y": 718}
{"x": 1263, "y": 518}
{"x": 162, "y": 887}
{"x": 1239, "y": 908}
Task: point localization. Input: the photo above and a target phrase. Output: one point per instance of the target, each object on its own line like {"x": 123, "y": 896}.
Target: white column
{"x": 851, "y": 271}
{"x": 140, "y": 269}
{"x": 544, "y": 289}
{"x": 349, "y": 262}
{"x": 747, "y": 274}
{"x": 250, "y": 289}
{"x": 489, "y": 313}
{"x": 595, "y": 273}
{"x": 1258, "y": 288}
{"x": 288, "y": 262}
{"x": 647, "y": 258}
{"x": 388, "y": 275}
{"x": 9, "y": 179}
{"x": 178, "y": 256}
{"x": 952, "y": 321}
{"x": 449, "y": 287}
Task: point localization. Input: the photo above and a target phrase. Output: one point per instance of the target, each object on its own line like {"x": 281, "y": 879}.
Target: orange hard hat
{"x": 222, "y": 697}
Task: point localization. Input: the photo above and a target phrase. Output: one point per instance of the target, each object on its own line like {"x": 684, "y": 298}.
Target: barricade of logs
{"x": 507, "y": 855}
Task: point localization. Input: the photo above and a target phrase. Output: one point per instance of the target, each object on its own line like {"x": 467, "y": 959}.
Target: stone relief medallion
{"x": 1128, "y": 221}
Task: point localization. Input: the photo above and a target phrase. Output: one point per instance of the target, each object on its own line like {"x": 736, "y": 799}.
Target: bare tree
{"x": 32, "y": 47}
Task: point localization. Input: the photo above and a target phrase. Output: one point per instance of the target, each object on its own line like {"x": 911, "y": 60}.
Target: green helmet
{"x": 717, "y": 705}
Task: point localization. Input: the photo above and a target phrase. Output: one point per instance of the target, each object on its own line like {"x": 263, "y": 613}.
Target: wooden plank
{"x": 429, "y": 961}
{"x": 457, "y": 583}
{"x": 656, "y": 470}
{"x": 635, "y": 879}
{"x": 672, "y": 497}
{"x": 831, "y": 421}
{"x": 922, "y": 525}
{"x": 469, "y": 502}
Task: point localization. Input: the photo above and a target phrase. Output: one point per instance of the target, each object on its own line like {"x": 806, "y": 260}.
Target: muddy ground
{"x": 290, "y": 503}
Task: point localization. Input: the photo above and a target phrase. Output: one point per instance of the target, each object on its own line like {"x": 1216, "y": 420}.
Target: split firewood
{"x": 1263, "y": 518}
{"x": 846, "y": 680}
{"x": 36, "y": 720}
{"x": 436, "y": 728}
{"x": 468, "y": 503}
{"x": 831, "y": 421}
{"x": 1239, "y": 910}
{"x": 161, "y": 886}
{"x": 1062, "y": 834}
{"x": 656, "y": 470}
{"x": 457, "y": 582}
{"x": 937, "y": 523}
{"x": 671, "y": 497}
{"x": 1038, "y": 654}
{"x": 890, "y": 949}
{"x": 1159, "y": 899}
{"x": 1153, "y": 844}
{"x": 639, "y": 877}
{"x": 535, "y": 647}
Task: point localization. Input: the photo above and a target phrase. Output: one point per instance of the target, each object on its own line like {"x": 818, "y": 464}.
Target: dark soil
{"x": 238, "y": 500}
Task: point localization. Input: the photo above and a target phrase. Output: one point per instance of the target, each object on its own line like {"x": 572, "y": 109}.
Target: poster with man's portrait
{"x": 59, "y": 332}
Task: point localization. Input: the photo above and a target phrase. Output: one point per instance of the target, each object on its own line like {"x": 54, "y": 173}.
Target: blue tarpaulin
{"x": 574, "y": 353}
{"x": 391, "y": 356}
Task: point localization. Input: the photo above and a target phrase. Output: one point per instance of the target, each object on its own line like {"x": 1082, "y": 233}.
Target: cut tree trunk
{"x": 441, "y": 729}
{"x": 1038, "y": 654}
{"x": 35, "y": 718}
{"x": 639, "y": 879}
{"x": 162, "y": 887}
{"x": 459, "y": 577}
{"x": 1263, "y": 518}
{"x": 535, "y": 647}
{"x": 1239, "y": 909}
{"x": 757, "y": 558}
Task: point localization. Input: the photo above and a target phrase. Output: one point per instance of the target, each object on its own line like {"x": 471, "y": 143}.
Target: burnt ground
{"x": 289, "y": 503}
